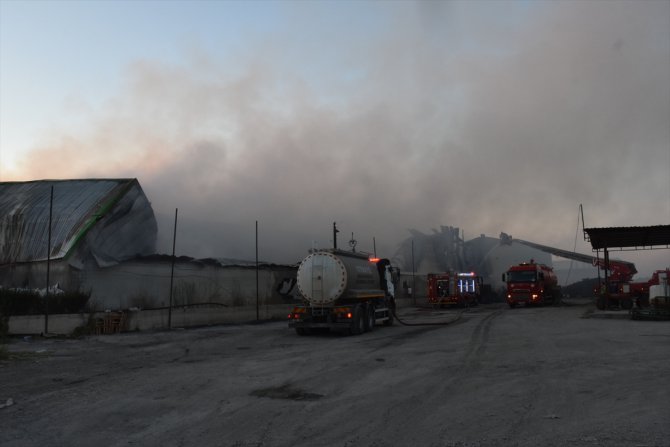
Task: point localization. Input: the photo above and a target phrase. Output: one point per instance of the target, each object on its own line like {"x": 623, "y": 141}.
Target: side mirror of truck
{"x": 541, "y": 276}
{"x": 503, "y": 278}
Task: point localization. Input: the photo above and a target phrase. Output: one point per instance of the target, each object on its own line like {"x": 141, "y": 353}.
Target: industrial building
{"x": 99, "y": 236}
{"x": 74, "y": 226}
{"x": 447, "y": 249}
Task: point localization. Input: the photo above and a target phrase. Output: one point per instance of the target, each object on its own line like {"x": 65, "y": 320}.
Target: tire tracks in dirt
{"x": 478, "y": 343}
{"x": 410, "y": 412}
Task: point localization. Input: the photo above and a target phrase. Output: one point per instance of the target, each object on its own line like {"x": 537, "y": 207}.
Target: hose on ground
{"x": 436, "y": 323}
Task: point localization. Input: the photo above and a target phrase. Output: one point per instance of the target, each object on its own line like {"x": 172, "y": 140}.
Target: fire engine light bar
{"x": 467, "y": 274}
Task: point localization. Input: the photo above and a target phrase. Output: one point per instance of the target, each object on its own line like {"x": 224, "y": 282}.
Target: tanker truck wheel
{"x": 302, "y": 331}
{"x": 370, "y": 318}
{"x": 390, "y": 312}
{"x": 358, "y": 321}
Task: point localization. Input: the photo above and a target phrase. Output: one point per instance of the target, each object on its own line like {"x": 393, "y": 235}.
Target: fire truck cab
{"x": 531, "y": 283}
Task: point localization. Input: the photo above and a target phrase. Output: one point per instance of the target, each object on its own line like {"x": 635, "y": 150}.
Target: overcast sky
{"x": 383, "y": 116}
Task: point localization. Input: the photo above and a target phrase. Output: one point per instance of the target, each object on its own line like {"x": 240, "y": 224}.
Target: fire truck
{"x": 454, "y": 288}
{"x": 617, "y": 289}
{"x": 659, "y": 299}
{"x": 625, "y": 292}
{"x": 531, "y": 283}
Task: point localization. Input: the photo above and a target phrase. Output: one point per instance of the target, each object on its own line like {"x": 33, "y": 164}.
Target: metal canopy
{"x": 641, "y": 238}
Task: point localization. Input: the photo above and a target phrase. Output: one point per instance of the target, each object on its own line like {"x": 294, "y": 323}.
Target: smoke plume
{"x": 438, "y": 118}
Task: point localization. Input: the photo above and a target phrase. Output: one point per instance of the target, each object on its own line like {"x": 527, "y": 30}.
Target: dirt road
{"x": 495, "y": 377}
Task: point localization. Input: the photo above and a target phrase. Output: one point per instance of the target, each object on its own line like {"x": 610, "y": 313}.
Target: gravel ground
{"x": 489, "y": 376}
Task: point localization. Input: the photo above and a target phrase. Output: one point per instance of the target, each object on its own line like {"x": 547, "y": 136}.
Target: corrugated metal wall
{"x": 104, "y": 220}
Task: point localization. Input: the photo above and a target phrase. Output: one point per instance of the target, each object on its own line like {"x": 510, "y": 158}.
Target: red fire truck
{"x": 625, "y": 292}
{"x": 531, "y": 283}
{"x": 454, "y": 288}
{"x": 618, "y": 288}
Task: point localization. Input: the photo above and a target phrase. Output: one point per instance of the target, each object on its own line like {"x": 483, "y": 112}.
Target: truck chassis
{"x": 352, "y": 319}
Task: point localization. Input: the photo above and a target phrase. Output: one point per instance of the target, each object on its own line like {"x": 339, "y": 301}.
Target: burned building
{"x": 99, "y": 237}
{"x": 73, "y": 225}
{"x": 448, "y": 250}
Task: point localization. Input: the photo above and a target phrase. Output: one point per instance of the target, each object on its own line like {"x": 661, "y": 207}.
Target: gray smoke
{"x": 441, "y": 118}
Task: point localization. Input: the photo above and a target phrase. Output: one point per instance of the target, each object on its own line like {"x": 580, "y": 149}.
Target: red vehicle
{"x": 621, "y": 290}
{"x": 625, "y": 292}
{"x": 617, "y": 289}
{"x": 461, "y": 289}
{"x": 531, "y": 283}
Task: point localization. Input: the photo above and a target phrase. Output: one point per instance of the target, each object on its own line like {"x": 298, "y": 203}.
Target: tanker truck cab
{"x": 531, "y": 283}
{"x": 343, "y": 291}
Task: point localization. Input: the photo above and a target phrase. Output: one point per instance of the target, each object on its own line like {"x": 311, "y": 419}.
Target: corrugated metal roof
{"x": 77, "y": 206}
{"x": 657, "y": 236}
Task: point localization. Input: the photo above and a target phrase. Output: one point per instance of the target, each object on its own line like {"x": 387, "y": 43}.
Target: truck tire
{"x": 512, "y": 305}
{"x": 370, "y": 318}
{"x": 358, "y": 321}
{"x": 302, "y": 331}
{"x": 390, "y": 310}
{"x": 601, "y": 303}
{"x": 557, "y": 296}
{"x": 389, "y": 321}
{"x": 627, "y": 304}
{"x": 642, "y": 301}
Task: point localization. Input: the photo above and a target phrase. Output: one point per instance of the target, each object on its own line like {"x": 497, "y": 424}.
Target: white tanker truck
{"x": 343, "y": 291}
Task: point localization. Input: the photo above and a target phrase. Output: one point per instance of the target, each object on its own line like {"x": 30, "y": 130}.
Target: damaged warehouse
{"x": 102, "y": 241}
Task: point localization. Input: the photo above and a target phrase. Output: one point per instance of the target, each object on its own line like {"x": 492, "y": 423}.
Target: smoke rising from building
{"x": 439, "y": 119}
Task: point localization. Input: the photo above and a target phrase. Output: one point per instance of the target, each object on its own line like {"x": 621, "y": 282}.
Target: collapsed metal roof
{"x": 103, "y": 219}
{"x": 641, "y": 238}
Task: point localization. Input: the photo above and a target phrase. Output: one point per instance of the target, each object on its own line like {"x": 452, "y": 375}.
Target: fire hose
{"x": 436, "y": 323}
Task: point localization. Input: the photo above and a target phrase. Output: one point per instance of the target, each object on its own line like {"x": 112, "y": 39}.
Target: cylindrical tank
{"x": 550, "y": 278}
{"x": 325, "y": 276}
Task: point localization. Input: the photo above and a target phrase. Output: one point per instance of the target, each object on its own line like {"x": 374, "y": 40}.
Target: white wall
{"x": 147, "y": 285}
{"x": 144, "y": 320}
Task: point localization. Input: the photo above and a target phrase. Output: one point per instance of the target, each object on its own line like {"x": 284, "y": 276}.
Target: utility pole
{"x": 257, "y": 309}
{"x": 174, "y": 243}
{"x": 46, "y": 296}
{"x": 352, "y": 243}
{"x": 413, "y": 282}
